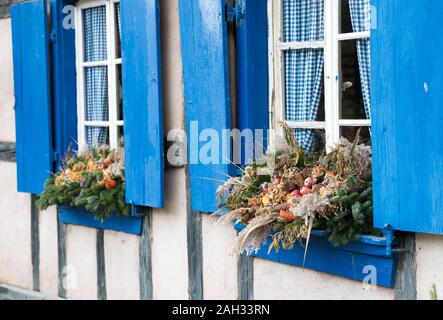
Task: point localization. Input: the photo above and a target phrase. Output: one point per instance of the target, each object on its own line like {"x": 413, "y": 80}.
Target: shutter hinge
{"x": 233, "y": 13}
{"x": 55, "y": 156}
{"x": 52, "y": 36}
{"x": 389, "y": 234}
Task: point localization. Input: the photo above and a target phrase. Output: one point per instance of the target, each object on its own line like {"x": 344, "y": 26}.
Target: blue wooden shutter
{"x": 407, "y": 95}
{"x": 32, "y": 95}
{"x": 64, "y": 78}
{"x": 142, "y": 102}
{"x": 206, "y": 86}
{"x": 252, "y": 67}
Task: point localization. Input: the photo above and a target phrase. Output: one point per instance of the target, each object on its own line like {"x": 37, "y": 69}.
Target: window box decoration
{"x": 311, "y": 205}
{"x": 367, "y": 257}
{"x": 90, "y": 189}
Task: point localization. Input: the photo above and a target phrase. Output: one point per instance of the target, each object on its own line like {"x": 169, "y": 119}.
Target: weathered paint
{"x": 206, "y": 87}
{"x": 407, "y": 115}
{"x": 406, "y": 280}
{"x": 145, "y": 259}
{"x": 142, "y": 100}
{"x": 245, "y": 277}
{"x": 35, "y": 244}
{"x": 101, "y": 265}
{"x": 61, "y": 249}
{"x": 32, "y": 94}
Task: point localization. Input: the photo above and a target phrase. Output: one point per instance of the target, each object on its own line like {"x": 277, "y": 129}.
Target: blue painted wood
{"x": 206, "y": 88}
{"x": 252, "y": 71}
{"x": 81, "y": 217}
{"x": 142, "y": 101}
{"x": 63, "y": 79}
{"x": 347, "y": 261}
{"x": 407, "y": 115}
{"x": 32, "y": 94}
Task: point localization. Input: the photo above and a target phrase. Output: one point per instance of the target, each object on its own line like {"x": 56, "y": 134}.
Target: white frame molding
{"x": 111, "y": 62}
{"x": 332, "y": 75}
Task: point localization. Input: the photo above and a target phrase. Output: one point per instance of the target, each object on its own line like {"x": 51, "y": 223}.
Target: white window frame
{"x": 111, "y": 62}
{"x": 332, "y": 76}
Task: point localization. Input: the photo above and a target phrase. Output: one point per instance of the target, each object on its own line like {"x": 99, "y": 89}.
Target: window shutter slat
{"x": 142, "y": 102}
{"x": 407, "y": 114}
{"x": 32, "y": 104}
{"x": 64, "y": 78}
{"x": 206, "y": 85}
{"x": 252, "y": 70}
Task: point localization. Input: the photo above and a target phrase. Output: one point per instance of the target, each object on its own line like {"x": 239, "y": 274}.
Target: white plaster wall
{"x": 7, "y": 123}
{"x": 429, "y": 258}
{"x": 169, "y": 248}
{"x": 81, "y": 263}
{"x": 219, "y": 260}
{"x": 48, "y": 252}
{"x": 122, "y": 266}
{"x": 282, "y": 282}
{"x": 15, "y": 226}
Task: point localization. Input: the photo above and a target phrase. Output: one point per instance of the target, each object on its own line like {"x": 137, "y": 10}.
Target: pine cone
{"x": 299, "y": 179}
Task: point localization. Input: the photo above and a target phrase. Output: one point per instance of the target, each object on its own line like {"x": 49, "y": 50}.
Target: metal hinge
{"x": 55, "y": 157}
{"x": 52, "y": 36}
{"x": 233, "y": 13}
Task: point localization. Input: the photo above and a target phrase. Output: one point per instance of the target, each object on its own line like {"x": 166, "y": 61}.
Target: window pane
{"x": 120, "y": 141}
{"x": 303, "y": 20}
{"x": 96, "y": 96}
{"x": 304, "y": 84}
{"x": 118, "y": 51}
{"x": 350, "y": 132}
{"x": 312, "y": 140}
{"x": 97, "y": 136}
{"x": 345, "y": 17}
{"x": 351, "y": 97}
{"x": 119, "y": 92}
{"x": 94, "y": 28}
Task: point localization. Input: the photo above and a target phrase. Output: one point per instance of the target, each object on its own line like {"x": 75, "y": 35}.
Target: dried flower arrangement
{"x": 93, "y": 179}
{"x": 290, "y": 192}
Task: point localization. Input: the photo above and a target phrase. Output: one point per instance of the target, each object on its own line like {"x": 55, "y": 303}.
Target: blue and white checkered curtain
{"x": 117, "y": 8}
{"x": 96, "y": 78}
{"x": 303, "y": 20}
{"x": 361, "y": 21}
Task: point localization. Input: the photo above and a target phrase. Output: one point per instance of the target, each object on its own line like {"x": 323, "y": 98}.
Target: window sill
{"x": 356, "y": 260}
{"x": 81, "y": 217}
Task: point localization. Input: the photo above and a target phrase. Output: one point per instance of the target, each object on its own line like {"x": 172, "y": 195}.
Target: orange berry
{"x": 287, "y": 216}
{"x": 111, "y": 184}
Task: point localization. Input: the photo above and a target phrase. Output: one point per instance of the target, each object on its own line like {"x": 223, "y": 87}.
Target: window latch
{"x": 233, "y": 13}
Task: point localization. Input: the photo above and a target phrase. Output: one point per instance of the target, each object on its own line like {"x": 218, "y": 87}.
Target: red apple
{"x": 309, "y": 182}
{"x": 304, "y": 191}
